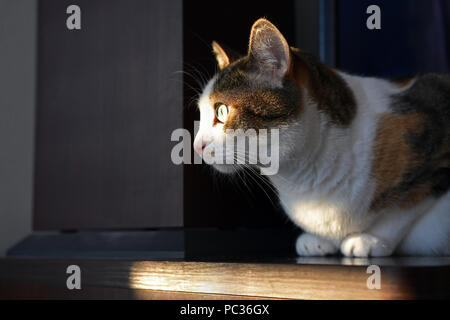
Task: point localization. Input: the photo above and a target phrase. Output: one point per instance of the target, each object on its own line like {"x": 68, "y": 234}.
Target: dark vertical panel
{"x": 307, "y": 26}
{"x": 108, "y": 99}
{"x": 327, "y": 17}
{"x": 315, "y": 28}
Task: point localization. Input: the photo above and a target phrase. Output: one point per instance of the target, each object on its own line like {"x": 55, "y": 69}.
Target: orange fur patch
{"x": 393, "y": 158}
{"x": 404, "y": 83}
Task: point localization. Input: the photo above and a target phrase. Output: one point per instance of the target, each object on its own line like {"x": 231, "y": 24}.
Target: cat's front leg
{"x": 311, "y": 245}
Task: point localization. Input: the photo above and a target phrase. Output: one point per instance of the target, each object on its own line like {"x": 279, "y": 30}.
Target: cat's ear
{"x": 224, "y": 55}
{"x": 269, "y": 50}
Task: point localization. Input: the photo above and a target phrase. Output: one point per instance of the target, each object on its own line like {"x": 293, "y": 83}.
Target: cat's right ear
{"x": 269, "y": 50}
{"x": 224, "y": 55}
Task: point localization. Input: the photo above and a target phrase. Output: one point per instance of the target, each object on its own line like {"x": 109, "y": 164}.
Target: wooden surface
{"x": 401, "y": 278}
{"x": 54, "y": 292}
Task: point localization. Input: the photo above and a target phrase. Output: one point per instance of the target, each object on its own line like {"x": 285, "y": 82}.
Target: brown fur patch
{"x": 393, "y": 158}
{"x": 331, "y": 93}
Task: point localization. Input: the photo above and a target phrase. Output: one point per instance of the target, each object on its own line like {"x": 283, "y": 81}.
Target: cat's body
{"x": 345, "y": 188}
{"x": 364, "y": 162}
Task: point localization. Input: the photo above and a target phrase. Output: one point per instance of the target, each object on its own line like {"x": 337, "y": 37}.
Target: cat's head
{"x": 249, "y": 93}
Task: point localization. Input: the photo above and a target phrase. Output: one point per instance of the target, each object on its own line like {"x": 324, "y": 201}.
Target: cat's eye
{"x": 222, "y": 112}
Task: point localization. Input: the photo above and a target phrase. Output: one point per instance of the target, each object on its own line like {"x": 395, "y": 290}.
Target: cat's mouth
{"x": 229, "y": 157}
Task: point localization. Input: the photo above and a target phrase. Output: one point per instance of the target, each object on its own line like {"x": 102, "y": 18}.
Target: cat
{"x": 364, "y": 162}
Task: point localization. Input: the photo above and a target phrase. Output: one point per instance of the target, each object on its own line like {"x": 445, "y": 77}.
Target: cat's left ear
{"x": 224, "y": 55}
{"x": 269, "y": 50}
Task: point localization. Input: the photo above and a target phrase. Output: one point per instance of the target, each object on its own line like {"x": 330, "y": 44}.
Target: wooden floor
{"x": 302, "y": 278}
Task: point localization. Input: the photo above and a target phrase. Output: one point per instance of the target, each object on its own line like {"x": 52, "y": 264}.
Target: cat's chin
{"x": 224, "y": 168}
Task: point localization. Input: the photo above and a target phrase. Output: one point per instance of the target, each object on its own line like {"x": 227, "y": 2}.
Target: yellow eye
{"x": 222, "y": 112}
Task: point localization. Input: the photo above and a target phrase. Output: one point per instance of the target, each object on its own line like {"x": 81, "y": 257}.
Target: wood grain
{"x": 54, "y": 292}
{"x": 265, "y": 280}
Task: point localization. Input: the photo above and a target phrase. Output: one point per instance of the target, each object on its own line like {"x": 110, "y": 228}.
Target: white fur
{"x": 208, "y": 134}
{"x": 430, "y": 234}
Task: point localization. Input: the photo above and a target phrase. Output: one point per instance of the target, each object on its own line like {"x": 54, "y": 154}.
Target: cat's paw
{"x": 365, "y": 245}
{"x": 310, "y": 245}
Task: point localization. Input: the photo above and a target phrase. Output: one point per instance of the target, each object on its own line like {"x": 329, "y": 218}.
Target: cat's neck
{"x": 310, "y": 161}
{"x": 329, "y": 154}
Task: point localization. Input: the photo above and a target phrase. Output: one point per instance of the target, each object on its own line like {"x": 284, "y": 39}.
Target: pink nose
{"x": 199, "y": 145}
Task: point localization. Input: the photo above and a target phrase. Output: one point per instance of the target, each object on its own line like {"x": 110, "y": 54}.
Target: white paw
{"x": 311, "y": 245}
{"x": 365, "y": 245}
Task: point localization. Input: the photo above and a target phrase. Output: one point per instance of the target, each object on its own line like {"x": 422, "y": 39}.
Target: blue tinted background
{"x": 414, "y": 37}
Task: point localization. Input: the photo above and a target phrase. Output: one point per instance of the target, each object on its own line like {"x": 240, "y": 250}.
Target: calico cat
{"x": 364, "y": 162}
